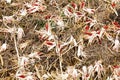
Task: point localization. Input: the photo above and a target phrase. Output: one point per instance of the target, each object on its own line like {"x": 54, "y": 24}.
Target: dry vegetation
{"x": 59, "y": 39}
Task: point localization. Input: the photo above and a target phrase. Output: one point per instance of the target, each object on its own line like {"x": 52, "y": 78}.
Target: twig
{"x": 15, "y": 42}
{"x": 60, "y": 61}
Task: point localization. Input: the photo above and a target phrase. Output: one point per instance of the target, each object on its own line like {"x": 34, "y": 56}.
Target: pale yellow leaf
{"x": 1, "y": 59}
{"x": 38, "y": 74}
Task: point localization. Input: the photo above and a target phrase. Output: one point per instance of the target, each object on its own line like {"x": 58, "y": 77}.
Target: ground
{"x": 59, "y": 40}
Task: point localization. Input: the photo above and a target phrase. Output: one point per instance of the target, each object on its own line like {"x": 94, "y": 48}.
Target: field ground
{"x": 59, "y": 40}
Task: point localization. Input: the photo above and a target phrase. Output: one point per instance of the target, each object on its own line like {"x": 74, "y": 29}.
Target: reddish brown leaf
{"x": 93, "y": 11}
{"x": 49, "y": 43}
{"x": 73, "y": 5}
{"x": 78, "y": 13}
{"x": 39, "y": 53}
{"x": 105, "y": 27}
{"x": 87, "y": 75}
{"x": 88, "y": 33}
{"x": 22, "y": 76}
{"x": 113, "y": 4}
{"x": 99, "y": 40}
{"x": 47, "y": 16}
{"x": 35, "y": 4}
{"x": 46, "y": 26}
{"x": 116, "y": 24}
{"x": 98, "y": 32}
{"x": 87, "y": 27}
{"x": 29, "y": 10}
{"x": 70, "y": 9}
{"x": 88, "y": 20}
{"x": 116, "y": 66}
{"x": 82, "y": 4}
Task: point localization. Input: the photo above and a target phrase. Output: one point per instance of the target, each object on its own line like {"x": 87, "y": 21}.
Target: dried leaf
{"x": 81, "y": 52}
{"x": 38, "y": 74}
{"x": 1, "y": 59}
{"x": 8, "y": 1}
{"x": 8, "y": 19}
{"x": 23, "y": 61}
{"x": 23, "y": 12}
{"x": 117, "y": 45}
{"x": 90, "y": 11}
{"x": 3, "y": 47}
{"x": 20, "y": 33}
{"x": 25, "y": 44}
